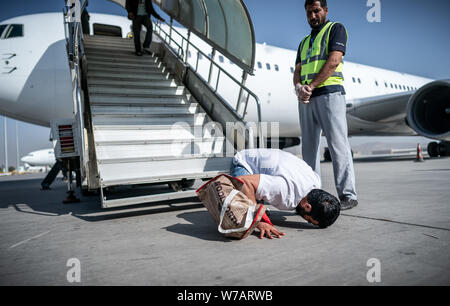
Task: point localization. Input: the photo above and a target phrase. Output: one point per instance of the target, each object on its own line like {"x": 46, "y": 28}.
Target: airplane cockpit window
{"x": 15, "y": 30}
{"x": 2, "y": 28}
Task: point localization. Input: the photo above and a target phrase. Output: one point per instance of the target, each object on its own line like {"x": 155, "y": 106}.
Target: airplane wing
{"x": 379, "y": 116}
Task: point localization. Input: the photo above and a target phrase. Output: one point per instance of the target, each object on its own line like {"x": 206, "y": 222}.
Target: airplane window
{"x": 292, "y": 70}
{"x": 392, "y": 86}
{"x": 2, "y": 28}
{"x": 385, "y": 84}
{"x": 189, "y": 54}
{"x": 15, "y": 30}
{"x": 221, "y": 58}
{"x": 277, "y": 68}
{"x": 231, "y": 62}
{"x": 200, "y": 56}
{"x": 359, "y": 80}
{"x": 404, "y": 87}
{"x": 396, "y": 86}
{"x": 259, "y": 65}
{"x": 354, "y": 81}
{"x": 376, "y": 83}
{"x": 268, "y": 66}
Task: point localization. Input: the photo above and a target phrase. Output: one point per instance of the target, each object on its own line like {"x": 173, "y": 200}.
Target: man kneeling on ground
{"x": 286, "y": 182}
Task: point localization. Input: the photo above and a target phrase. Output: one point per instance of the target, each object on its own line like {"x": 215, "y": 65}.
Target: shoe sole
{"x": 348, "y": 207}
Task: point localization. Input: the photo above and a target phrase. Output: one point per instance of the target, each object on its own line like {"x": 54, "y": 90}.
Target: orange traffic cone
{"x": 419, "y": 157}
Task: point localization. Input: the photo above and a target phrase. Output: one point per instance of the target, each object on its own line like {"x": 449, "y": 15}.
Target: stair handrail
{"x": 182, "y": 54}
{"x": 75, "y": 52}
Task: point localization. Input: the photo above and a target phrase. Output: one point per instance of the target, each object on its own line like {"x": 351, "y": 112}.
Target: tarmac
{"x": 399, "y": 234}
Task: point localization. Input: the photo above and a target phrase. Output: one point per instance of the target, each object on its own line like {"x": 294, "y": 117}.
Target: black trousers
{"x": 138, "y": 21}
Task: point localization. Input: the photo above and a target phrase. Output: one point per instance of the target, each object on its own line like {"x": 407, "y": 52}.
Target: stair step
{"x": 109, "y": 42}
{"x": 136, "y": 135}
{"x": 127, "y": 53}
{"x": 148, "y": 119}
{"x": 136, "y": 75}
{"x": 104, "y": 99}
{"x": 120, "y": 64}
{"x": 158, "y": 109}
{"x": 130, "y": 82}
{"x": 92, "y": 57}
{"x": 118, "y": 55}
{"x": 124, "y": 151}
{"x": 109, "y": 45}
{"x": 165, "y": 170}
{"x": 144, "y": 69}
{"x": 105, "y": 38}
{"x": 116, "y": 50}
{"x": 135, "y": 90}
{"x": 151, "y": 198}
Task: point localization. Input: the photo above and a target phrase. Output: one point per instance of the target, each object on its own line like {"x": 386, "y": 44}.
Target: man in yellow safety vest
{"x": 318, "y": 81}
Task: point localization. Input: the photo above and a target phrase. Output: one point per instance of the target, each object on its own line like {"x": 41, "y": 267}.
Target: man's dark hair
{"x": 323, "y": 3}
{"x": 325, "y": 207}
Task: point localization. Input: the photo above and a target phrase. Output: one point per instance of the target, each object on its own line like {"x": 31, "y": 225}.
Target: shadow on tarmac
{"x": 49, "y": 202}
{"x": 203, "y": 227}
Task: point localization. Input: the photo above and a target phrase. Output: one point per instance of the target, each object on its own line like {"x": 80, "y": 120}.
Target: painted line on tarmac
{"x": 397, "y": 222}
{"x": 26, "y": 240}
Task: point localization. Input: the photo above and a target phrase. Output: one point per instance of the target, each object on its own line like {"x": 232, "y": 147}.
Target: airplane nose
{"x": 24, "y": 159}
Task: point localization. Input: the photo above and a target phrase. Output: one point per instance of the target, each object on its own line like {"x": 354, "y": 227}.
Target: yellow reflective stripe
{"x": 313, "y": 75}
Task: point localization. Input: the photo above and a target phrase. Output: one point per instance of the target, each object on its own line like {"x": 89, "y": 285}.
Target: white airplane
{"x": 35, "y": 84}
{"x": 40, "y": 158}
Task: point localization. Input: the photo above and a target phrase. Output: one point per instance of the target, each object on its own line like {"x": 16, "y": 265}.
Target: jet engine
{"x": 429, "y": 115}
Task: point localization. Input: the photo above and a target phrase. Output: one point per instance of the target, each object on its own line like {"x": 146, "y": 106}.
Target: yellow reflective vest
{"x": 314, "y": 57}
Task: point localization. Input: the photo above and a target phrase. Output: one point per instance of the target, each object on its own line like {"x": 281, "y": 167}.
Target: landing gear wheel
{"x": 433, "y": 149}
{"x": 187, "y": 183}
{"x": 444, "y": 148}
{"x": 183, "y": 184}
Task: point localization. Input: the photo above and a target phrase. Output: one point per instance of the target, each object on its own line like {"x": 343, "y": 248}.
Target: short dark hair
{"x": 323, "y": 3}
{"x": 325, "y": 208}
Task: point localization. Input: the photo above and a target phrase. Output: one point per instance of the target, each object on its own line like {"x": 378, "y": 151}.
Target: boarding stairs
{"x": 147, "y": 128}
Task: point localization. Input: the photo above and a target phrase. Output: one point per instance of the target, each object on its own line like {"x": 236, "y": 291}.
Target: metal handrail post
{"x": 244, "y": 80}
{"x": 213, "y": 54}
{"x": 187, "y": 46}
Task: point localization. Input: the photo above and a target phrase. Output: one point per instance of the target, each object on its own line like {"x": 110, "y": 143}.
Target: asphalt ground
{"x": 399, "y": 234}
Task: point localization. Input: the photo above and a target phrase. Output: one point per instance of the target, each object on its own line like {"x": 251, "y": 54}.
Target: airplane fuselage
{"x": 35, "y": 83}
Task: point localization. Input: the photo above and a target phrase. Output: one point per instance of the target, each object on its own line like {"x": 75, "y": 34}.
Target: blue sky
{"x": 412, "y": 37}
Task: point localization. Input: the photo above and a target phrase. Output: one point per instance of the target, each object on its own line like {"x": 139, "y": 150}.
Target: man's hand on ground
{"x": 267, "y": 230}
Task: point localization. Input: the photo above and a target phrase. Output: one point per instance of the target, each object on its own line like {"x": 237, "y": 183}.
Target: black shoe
{"x": 138, "y": 53}
{"x": 146, "y": 51}
{"x": 347, "y": 204}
